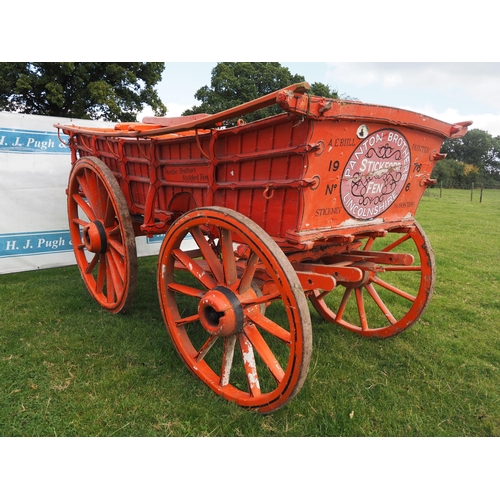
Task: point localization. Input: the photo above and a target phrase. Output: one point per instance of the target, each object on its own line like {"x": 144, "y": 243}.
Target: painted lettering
{"x": 327, "y": 211}
{"x": 42, "y": 145}
{"x": 375, "y": 174}
{"x": 11, "y": 245}
{"x": 330, "y": 188}
{"x": 52, "y": 244}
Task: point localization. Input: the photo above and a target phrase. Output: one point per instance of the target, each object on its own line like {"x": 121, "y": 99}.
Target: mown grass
{"x": 69, "y": 369}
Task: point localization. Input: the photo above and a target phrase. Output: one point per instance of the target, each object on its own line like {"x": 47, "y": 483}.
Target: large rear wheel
{"x": 234, "y": 308}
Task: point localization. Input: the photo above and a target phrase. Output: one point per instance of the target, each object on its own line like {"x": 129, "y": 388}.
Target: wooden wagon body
{"x": 299, "y": 205}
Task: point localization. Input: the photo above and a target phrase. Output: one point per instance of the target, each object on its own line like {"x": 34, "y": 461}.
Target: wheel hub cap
{"x": 94, "y": 237}
{"x": 220, "y": 312}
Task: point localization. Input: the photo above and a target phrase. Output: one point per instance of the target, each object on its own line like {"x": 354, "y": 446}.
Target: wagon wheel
{"x": 102, "y": 234}
{"x": 213, "y": 308}
{"x": 389, "y": 298}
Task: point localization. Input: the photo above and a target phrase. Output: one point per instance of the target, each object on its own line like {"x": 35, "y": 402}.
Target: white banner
{"x": 34, "y": 171}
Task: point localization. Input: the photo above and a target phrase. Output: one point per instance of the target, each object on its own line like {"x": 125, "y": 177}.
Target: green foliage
{"x": 323, "y": 90}
{"x": 477, "y": 149}
{"x": 453, "y": 173}
{"x": 109, "y": 91}
{"x": 235, "y": 83}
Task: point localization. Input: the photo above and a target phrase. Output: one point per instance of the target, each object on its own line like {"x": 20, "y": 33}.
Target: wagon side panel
{"x": 259, "y": 171}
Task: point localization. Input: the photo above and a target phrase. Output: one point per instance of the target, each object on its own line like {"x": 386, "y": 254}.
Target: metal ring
{"x": 269, "y": 187}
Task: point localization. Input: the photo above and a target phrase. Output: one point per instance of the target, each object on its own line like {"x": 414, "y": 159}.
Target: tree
{"x": 455, "y": 174}
{"x": 235, "y": 83}
{"x": 109, "y": 91}
{"x": 472, "y": 158}
{"x": 477, "y": 148}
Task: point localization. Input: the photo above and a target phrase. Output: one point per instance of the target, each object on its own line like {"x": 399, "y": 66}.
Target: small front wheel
{"x": 212, "y": 299}
{"x": 102, "y": 234}
{"x": 390, "y": 297}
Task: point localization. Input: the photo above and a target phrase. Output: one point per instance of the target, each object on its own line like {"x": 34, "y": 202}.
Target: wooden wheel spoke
{"x": 263, "y": 299}
{"x": 111, "y": 279}
{"x": 118, "y": 271}
{"x": 92, "y": 263}
{"x": 102, "y": 271}
{"x": 195, "y": 269}
{"x": 117, "y": 246}
{"x": 393, "y": 289}
{"x": 368, "y": 244}
{"x": 79, "y": 222}
{"x": 269, "y": 326}
{"x": 228, "y": 259}
{"x": 227, "y": 360}
{"x": 88, "y": 183}
{"x": 376, "y": 297}
{"x": 98, "y": 192}
{"x": 187, "y": 319}
{"x": 84, "y": 187}
{"x": 205, "y": 348}
{"x": 185, "y": 290}
{"x": 208, "y": 254}
{"x": 107, "y": 211}
{"x": 396, "y": 243}
{"x": 249, "y": 364}
{"x": 262, "y": 348}
{"x": 248, "y": 273}
{"x": 343, "y": 304}
{"x": 85, "y": 207}
{"x": 361, "y": 308}
{"x": 109, "y": 214}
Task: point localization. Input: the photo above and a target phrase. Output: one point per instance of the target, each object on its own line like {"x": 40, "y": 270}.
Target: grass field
{"x": 69, "y": 369}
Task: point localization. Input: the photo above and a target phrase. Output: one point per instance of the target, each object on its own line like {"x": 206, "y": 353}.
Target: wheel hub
{"x": 369, "y": 270}
{"x": 94, "y": 237}
{"x": 220, "y": 312}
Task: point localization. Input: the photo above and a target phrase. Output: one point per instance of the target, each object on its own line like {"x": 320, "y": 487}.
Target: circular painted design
{"x": 375, "y": 174}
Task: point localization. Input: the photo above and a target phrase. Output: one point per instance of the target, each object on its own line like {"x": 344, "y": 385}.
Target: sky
{"x": 449, "y": 91}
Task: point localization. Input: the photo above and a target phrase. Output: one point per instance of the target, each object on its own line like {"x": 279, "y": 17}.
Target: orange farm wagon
{"x": 316, "y": 202}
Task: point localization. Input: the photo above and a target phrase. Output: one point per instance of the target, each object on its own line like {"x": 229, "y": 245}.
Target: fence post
{"x": 481, "y": 195}
{"x": 441, "y": 190}
{"x": 471, "y": 191}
